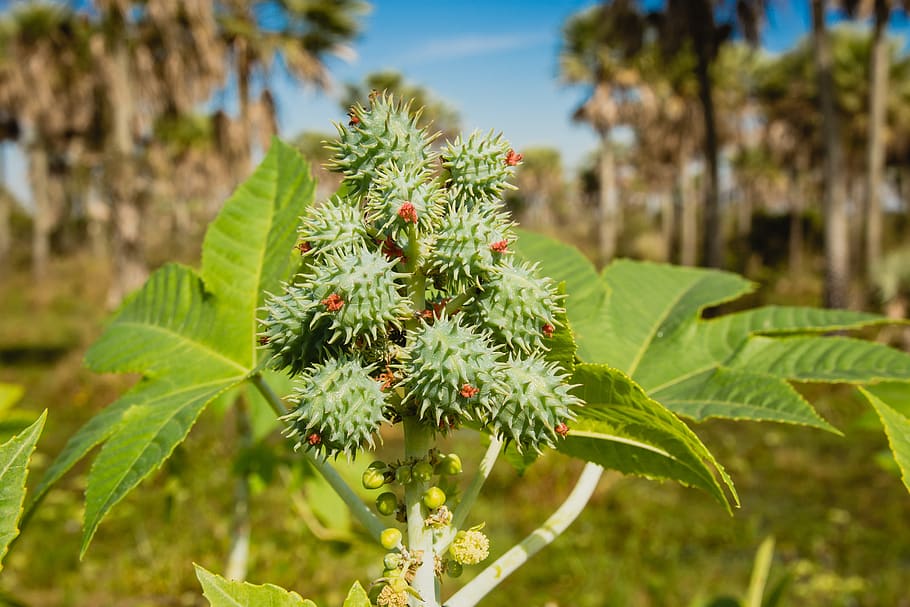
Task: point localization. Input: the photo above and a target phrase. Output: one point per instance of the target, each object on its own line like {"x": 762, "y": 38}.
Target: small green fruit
{"x": 387, "y": 503}
{"x": 390, "y": 538}
{"x": 434, "y": 497}
{"x": 392, "y": 561}
{"x": 372, "y": 478}
{"x": 449, "y": 465}
{"x": 454, "y": 568}
{"x": 403, "y": 474}
{"x": 423, "y": 472}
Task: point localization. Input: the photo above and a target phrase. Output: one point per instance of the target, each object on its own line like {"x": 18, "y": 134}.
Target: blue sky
{"x": 495, "y": 61}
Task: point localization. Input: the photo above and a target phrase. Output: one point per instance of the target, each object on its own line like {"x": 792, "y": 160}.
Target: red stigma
{"x": 333, "y": 302}
{"x": 468, "y": 391}
{"x": 408, "y": 213}
{"x": 561, "y": 429}
{"x": 314, "y": 439}
{"x": 500, "y": 246}
{"x": 391, "y": 250}
{"x": 263, "y": 340}
{"x": 304, "y": 247}
{"x": 354, "y": 119}
{"x": 513, "y": 158}
{"x": 548, "y": 330}
{"x": 387, "y": 378}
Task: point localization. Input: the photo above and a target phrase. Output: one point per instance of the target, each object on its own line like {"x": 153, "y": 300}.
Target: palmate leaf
{"x": 229, "y": 593}
{"x": 14, "y": 457}
{"x": 735, "y": 366}
{"x": 621, "y": 428}
{"x": 650, "y": 326}
{"x": 192, "y": 336}
{"x": 897, "y": 429}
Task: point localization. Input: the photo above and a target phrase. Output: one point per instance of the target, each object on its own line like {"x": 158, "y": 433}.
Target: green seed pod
{"x": 538, "y": 401}
{"x": 450, "y": 372}
{"x": 478, "y": 169}
{"x": 390, "y": 538}
{"x": 454, "y": 568}
{"x": 387, "y": 503}
{"x": 372, "y": 478}
{"x": 467, "y": 244}
{"x": 433, "y": 498}
{"x": 516, "y": 306}
{"x": 358, "y": 294}
{"x": 292, "y": 333}
{"x": 385, "y": 133}
{"x": 339, "y": 407}
{"x": 335, "y": 226}
{"x": 399, "y": 197}
{"x": 423, "y": 472}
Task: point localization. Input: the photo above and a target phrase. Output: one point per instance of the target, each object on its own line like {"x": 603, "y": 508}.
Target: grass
{"x": 839, "y": 519}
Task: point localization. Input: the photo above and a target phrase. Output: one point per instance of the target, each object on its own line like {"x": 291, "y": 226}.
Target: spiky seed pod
{"x": 339, "y": 408}
{"x": 359, "y": 295}
{"x": 477, "y": 169}
{"x": 450, "y": 372}
{"x": 387, "y": 132}
{"x": 468, "y": 243}
{"x": 335, "y": 226}
{"x": 517, "y": 306}
{"x": 393, "y": 189}
{"x": 291, "y": 332}
{"x": 537, "y": 402}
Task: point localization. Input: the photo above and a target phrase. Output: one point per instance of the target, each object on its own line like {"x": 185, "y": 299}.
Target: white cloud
{"x": 472, "y": 45}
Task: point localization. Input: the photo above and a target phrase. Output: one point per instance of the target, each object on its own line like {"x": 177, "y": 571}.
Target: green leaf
{"x": 622, "y": 428}
{"x": 191, "y": 336}
{"x": 897, "y": 429}
{"x": 229, "y": 593}
{"x": 565, "y": 264}
{"x": 357, "y": 597}
{"x": 823, "y": 359}
{"x": 14, "y": 457}
{"x": 737, "y": 394}
{"x": 561, "y": 346}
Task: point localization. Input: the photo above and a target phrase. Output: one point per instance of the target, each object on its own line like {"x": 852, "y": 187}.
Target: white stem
{"x": 490, "y": 577}
{"x": 417, "y": 442}
{"x": 470, "y": 494}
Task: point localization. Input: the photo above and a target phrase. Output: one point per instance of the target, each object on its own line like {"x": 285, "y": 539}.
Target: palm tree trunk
{"x": 608, "y": 207}
{"x": 120, "y": 172}
{"x": 42, "y": 220}
{"x": 688, "y": 215}
{"x": 795, "y": 244}
{"x": 701, "y": 26}
{"x": 878, "y": 93}
{"x": 667, "y": 223}
{"x": 6, "y": 211}
{"x": 834, "y": 200}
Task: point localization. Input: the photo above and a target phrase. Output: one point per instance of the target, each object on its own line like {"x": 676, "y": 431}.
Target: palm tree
{"x": 597, "y": 46}
{"x": 258, "y": 33}
{"x": 47, "y": 91}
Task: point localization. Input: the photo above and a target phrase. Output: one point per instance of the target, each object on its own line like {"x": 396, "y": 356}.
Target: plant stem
{"x": 360, "y": 510}
{"x": 473, "y": 490}
{"x": 417, "y": 442}
{"x": 456, "y": 302}
{"x": 238, "y": 556}
{"x": 490, "y": 577}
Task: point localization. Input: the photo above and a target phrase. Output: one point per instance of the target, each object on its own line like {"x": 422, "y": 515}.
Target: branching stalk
{"x": 360, "y": 510}
{"x": 490, "y": 577}
{"x": 417, "y": 442}
{"x": 460, "y": 515}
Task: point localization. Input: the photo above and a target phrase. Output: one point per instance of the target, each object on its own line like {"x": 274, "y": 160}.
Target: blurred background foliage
{"x": 138, "y": 117}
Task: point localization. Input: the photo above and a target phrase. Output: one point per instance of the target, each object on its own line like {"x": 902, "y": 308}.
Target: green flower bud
{"x": 422, "y": 472}
{"x": 433, "y": 498}
{"x": 449, "y": 465}
{"x": 390, "y": 538}
{"x": 372, "y": 478}
{"x": 387, "y": 503}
